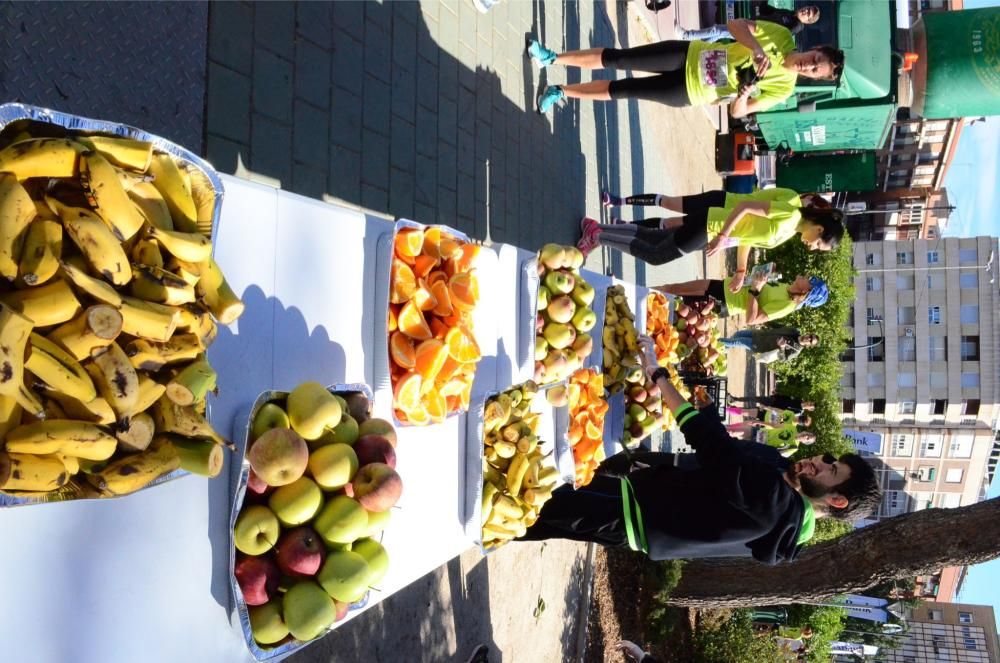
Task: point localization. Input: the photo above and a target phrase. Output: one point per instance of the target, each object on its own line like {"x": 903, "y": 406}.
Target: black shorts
{"x": 693, "y": 235}
{"x": 716, "y": 291}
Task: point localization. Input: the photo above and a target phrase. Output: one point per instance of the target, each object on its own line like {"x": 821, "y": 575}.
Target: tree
{"x": 901, "y": 547}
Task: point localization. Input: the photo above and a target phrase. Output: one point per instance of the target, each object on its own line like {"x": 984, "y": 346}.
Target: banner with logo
{"x": 864, "y": 440}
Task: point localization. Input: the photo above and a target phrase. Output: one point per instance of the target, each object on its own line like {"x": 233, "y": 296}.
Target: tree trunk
{"x": 901, "y": 547}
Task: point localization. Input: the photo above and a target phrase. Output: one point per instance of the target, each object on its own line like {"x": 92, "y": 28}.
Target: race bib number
{"x": 773, "y": 418}
{"x": 760, "y": 436}
{"x": 713, "y": 65}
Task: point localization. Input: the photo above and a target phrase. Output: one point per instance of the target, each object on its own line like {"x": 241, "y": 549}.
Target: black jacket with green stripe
{"x": 736, "y": 503}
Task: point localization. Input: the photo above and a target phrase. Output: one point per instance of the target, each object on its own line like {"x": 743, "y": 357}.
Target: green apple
{"x": 266, "y": 623}
{"x": 560, "y": 283}
{"x": 256, "y": 530}
{"x": 297, "y": 502}
{"x": 543, "y": 298}
{"x": 341, "y": 520}
{"x": 375, "y": 555}
{"x": 377, "y": 521}
{"x": 309, "y": 611}
{"x": 311, "y": 409}
{"x": 583, "y": 293}
{"x": 268, "y": 416}
{"x": 333, "y": 466}
{"x": 561, "y": 309}
{"x": 584, "y": 319}
{"x": 378, "y": 427}
{"x": 279, "y": 456}
{"x": 346, "y": 432}
{"x": 345, "y": 575}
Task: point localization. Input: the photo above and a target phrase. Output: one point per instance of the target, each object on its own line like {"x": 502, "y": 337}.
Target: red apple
{"x": 342, "y": 609}
{"x": 279, "y": 456}
{"x": 258, "y": 578}
{"x": 256, "y": 485}
{"x": 374, "y": 449}
{"x": 300, "y": 552}
{"x": 377, "y": 487}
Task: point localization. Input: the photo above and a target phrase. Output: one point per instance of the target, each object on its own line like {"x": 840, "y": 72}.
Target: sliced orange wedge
{"x": 408, "y": 243}
{"x": 402, "y": 350}
{"x": 464, "y": 289}
{"x": 462, "y": 345}
{"x": 430, "y": 357}
{"x": 402, "y": 282}
{"x": 411, "y": 322}
{"x": 406, "y": 395}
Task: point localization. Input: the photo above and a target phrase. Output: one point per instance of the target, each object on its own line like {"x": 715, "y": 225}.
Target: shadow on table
{"x": 330, "y": 362}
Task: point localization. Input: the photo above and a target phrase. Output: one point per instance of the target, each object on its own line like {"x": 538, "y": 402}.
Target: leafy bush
{"x": 661, "y": 578}
{"x": 729, "y": 638}
{"x": 828, "y": 529}
{"x": 826, "y": 622}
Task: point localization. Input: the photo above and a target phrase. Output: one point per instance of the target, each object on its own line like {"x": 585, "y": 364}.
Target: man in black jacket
{"x": 794, "y": 20}
{"x": 743, "y": 499}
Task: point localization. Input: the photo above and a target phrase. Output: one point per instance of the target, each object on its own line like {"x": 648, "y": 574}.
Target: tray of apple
{"x": 431, "y": 350}
{"x": 311, "y": 495}
{"x": 699, "y": 348}
{"x": 565, "y": 315}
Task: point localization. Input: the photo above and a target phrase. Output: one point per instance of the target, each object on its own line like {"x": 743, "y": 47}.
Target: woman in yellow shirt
{"x": 715, "y": 220}
{"x": 759, "y": 302}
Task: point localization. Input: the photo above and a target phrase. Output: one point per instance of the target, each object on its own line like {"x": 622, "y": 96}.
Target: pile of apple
{"x": 699, "y": 348}
{"x": 644, "y": 410}
{"x": 321, "y": 484}
{"x": 564, "y": 316}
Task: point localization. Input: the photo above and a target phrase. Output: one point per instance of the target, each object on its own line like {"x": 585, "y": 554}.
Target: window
{"x": 938, "y": 346}
{"x": 873, "y": 283}
{"x": 904, "y": 282}
{"x": 953, "y": 475}
{"x": 904, "y": 258}
{"x": 969, "y": 314}
{"x": 907, "y": 407}
{"x": 940, "y": 404}
{"x": 876, "y": 350}
{"x": 934, "y": 315}
{"x": 926, "y": 474}
{"x": 847, "y": 380}
{"x": 933, "y": 257}
{"x": 965, "y": 618}
{"x": 906, "y": 315}
{"x": 907, "y": 348}
{"x": 967, "y": 255}
{"x": 935, "y": 281}
{"x": 895, "y": 502}
{"x": 960, "y": 446}
{"x": 930, "y": 445}
{"x": 970, "y": 643}
{"x": 905, "y": 380}
{"x": 871, "y": 313}
{"x": 847, "y": 406}
{"x": 969, "y": 280}
{"x": 971, "y": 407}
{"x": 970, "y": 348}
{"x": 939, "y": 380}
{"x": 902, "y": 445}
{"x": 878, "y": 406}
{"x": 873, "y": 259}
{"x": 876, "y": 379}
{"x": 970, "y": 380}
{"x": 935, "y": 615}
{"x": 951, "y": 500}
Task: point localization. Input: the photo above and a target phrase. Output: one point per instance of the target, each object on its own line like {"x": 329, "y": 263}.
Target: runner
{"x": 795, "y": 20}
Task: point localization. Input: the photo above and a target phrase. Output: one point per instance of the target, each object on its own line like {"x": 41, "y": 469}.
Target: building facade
{"x": 950, "y": 632}
{"x": 929, "y": 382}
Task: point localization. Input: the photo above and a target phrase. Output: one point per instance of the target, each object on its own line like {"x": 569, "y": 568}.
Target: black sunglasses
{"x": 829, "y": 459}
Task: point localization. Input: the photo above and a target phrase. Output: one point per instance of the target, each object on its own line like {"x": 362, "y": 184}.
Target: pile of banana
{"x": 108, "y": 301}
{"x": 620, "y": 342}
{"x": 518, "y": 476}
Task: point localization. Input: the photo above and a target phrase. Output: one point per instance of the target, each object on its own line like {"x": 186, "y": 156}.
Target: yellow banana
{"x": 96, "y": 241}
{"x": 97, "y": 411}
{"x": 150, "y": 356}
{"x": 136, "y": 471}
{"x": 198, "y": 321}
{"x": 190, "y": 247}
{"x": 151, "y": 205}
{"x": 189, "y": 271}
{"x": 155, "y": 284}
{"x": 183, "y": 420}
{"x": 93, "y": 329}
{"x": 515, "y": 473}
{"x": 147, "y": 252}
{"x": 202, "y": 457}
{"x": 129, "y": 180}
{"x": 17, "y": 209}
{"x": 215, "y": 292}
{"x": 30, "y": 472}
{"x": 116, "y": 380}
{"x": 489, "y": 492}
{"x": 44, "y": 305}
{"x": 71, "y": 463}
{"x": 137, "y": 435}
{"x": 14, "y": 332}
{"x": 96, "y": 288}
{"x": 41, "y": 157}
{"x": 176, "y": 192}
{"x": 122, "y": 152}
{"x": 204, "y": 199}
{"x": 81, "y": 439}
{"x": 29, "y": 402}
{"x": 58, "y": 369}
{"x": 192, "y": 383}
{"x": 10, "y": 414}
{"x": 113, "y": 205}
{"x": 41, "y": 251}
{"x": 148, "y": 320}
{"x": 150, "y": 391}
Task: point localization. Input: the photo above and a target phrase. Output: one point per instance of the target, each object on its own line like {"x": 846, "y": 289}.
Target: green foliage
{"x": 661, "y": 579}
{"x": 828, "y": 529}
{"x": 731, "y": 639}
{"x": 815, "y": 374}
{"x": 826, "y": 623}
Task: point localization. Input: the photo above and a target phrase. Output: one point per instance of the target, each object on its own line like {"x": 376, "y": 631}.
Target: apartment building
{"x": 929, "y": 380}
{"x": 951, "y": 632}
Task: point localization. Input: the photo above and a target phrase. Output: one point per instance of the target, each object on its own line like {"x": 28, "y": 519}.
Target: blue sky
{"x": 972, "y": 183}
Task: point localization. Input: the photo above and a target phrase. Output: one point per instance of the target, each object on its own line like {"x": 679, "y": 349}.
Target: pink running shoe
{"x": 590, "y": 240}
{"x": 586, "y": 223}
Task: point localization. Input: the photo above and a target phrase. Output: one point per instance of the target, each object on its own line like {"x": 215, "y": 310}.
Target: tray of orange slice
{"x": 431, "y": 350}
{"x": 588, "y": 409}
{"x": 660, "y": 328}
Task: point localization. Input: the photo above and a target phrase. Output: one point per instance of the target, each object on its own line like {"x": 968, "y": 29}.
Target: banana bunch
{"x": 109, "y": 301}
{"x": 620, "y": 341}
{"x": 518, "y": 476}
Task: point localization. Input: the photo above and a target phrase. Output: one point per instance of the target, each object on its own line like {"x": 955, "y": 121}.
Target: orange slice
{"x": 439, "y": 328}
{"x": 430, "y": 357}
{"x": 403, "y": 282}
{"x": 424, "y": 300}
{"x": 437, "y": 275}
{"x": 464, "y": 289}
{"x": 406, "y": 395}
{"x": 592, "y": 431}
{"x": 432, "y": 242}
{"x": 453, "y": 386}
{"x": 402, "y": 351}
{"x": 423, "y": 265}
{"x": 443, "y": 296}
{"x": 469, "y": 254}
{"x": 411, "y": 322}
{"x": 451, "y": 248}
{"x": 437, "y": 406}
{"x": 462, "y": 345}
{"x": 408, "y": 243}
{"x": 449, "y": 369}
{"x": 393, "y": 325}
{"x": 466, "y": 396}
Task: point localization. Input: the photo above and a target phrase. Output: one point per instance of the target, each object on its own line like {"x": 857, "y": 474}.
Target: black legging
{"x": 657, "y": 246}
{"x": 667, "y": 59}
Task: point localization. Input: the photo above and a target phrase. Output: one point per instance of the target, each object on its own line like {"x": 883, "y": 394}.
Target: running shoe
{"x": 543, "y": 56}
{"x": 586, "y": 223}
{"x": 589, "y": 241}
{"x": 553, "y": 94}
{"x": 609, "y": 199}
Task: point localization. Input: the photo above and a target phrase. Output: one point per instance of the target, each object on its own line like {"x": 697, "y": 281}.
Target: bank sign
{"x": 865, "y": 441}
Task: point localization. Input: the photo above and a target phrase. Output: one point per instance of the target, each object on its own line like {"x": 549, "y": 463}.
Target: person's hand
{"x": 631, "y": 649}
{"x": 761, "y": 62}
{"x": 713, "y": 246}
{"x": 759, "y": 281}
{"x": 737, "y": 281}
{"x": 746, "y": 90}
{"x": 647, "y": 355}
{"x": 782, "y": 342}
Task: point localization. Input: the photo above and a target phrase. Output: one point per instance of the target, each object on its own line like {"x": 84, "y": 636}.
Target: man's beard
{"x": 811, "y": 488}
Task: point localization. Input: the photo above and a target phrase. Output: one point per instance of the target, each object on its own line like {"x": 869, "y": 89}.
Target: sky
{"x": 972, "y": 183}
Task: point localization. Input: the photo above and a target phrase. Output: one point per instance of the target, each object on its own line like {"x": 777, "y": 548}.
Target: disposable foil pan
{"x": 239, "y": 473}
